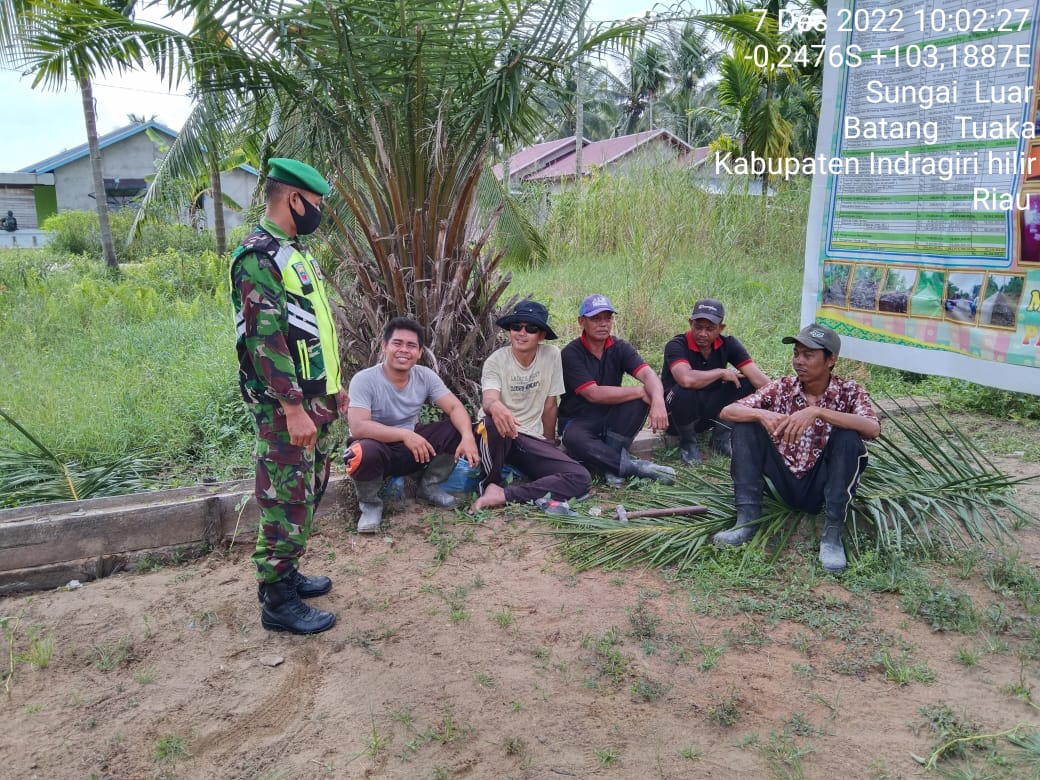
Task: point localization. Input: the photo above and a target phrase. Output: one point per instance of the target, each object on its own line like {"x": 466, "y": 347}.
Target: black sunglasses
{"x": 518, "y": 326}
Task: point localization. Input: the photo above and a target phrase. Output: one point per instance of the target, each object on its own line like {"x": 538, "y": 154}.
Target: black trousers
{"x": 548, "y": 468}
{"x": 832, "y": 481}
{"x": 596, "y": 441}
{"x": 702, "y": 406}
{"x": 368, "y": 459}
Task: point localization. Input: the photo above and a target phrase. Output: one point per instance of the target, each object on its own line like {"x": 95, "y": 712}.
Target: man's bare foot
{"x": 493, "y": 496}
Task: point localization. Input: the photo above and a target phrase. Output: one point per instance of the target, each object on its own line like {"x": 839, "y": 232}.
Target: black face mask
{"x": 307, "y": 222}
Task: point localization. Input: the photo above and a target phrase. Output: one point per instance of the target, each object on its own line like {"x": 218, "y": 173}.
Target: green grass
{"x": 111, "y": 655}
{"x": 170, "y": 748}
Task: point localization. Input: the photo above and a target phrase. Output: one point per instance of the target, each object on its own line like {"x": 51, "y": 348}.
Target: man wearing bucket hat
{"x": 289, "y": 375}
{"x": 519, "y": 386}
{"x": 805, "y": 433}
{"x": 598, "y": 417}
{"x": 703, "y": 372}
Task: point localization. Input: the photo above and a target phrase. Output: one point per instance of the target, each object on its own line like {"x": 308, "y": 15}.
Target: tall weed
{"x": 654, "y": 243}
{"x": 77, "y": 233}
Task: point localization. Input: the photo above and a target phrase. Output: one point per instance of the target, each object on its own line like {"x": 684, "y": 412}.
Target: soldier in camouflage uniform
{"x": 290, "y": 379}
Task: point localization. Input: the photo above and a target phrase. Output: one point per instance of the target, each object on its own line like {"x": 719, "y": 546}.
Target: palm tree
{"x": 690, "y": 59}
{"x": 644, "y": 77}
{"x": 400, "y": 102}
{"x": 27, "y": 27}
{"x": 191, "y": 166}
{"x": 62, "y": 43}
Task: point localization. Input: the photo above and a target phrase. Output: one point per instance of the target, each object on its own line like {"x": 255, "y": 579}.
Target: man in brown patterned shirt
{"x": 805, "y": 433}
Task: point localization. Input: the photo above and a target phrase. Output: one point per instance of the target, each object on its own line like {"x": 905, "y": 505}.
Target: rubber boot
{"x": 617, "y": 441}
{"x": 371, "y": 505}
{"x": 436, "y": 471}
{"x": 282, "y": 610}
{"x": 722, "y": 439}
{"x": 749, "y": 509}
{"x": 741, "y": 533}
{"x": 306, "y": 587}
{"x": 634, "y": 467}
{"x": 832, "y": 552}
{"x": 688, "y": 451}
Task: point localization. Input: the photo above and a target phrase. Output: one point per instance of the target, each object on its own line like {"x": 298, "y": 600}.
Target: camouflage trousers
{"x": 290, "y": 482}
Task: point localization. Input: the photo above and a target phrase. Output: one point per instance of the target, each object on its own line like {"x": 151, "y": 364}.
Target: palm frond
{"x": 40, "y": 476}
{"x": 927, "y": 487}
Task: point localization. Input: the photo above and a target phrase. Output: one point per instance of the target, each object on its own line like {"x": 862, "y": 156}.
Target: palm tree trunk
{"x": 579, "y": 98}
{"x": 107, "y": 247}
{"x": 219, "y": 231}
{"x": 765, "y": 174}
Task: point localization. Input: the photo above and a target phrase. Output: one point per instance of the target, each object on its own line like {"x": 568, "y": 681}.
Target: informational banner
{"x": 923, "y": 246}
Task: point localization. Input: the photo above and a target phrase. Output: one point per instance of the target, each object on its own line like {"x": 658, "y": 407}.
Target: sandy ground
{"x": 475, "y": 650}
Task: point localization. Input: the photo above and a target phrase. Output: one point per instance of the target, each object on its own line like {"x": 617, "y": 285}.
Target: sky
{"x": 39, "y": 123}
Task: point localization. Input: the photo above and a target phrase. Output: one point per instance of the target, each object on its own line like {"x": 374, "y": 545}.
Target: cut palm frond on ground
{"x": 41, "y": 476}
{"x": 927, "y": 487}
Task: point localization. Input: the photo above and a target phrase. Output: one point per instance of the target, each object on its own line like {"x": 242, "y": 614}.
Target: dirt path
{"x": 475, "y": 651}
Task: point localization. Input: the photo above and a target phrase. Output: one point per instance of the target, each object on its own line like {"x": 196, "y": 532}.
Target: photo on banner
{"x": 923, "y": 243}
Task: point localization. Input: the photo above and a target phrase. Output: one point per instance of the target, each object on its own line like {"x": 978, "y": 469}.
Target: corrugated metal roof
{"x": 121, "y": 134}
{"x": 71, "y": 155}
{"x": 600, "y": 153}
{"x": 531, "y": 156}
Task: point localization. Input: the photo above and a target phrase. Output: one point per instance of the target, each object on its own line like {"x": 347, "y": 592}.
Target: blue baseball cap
{"x": 594, "y": 305}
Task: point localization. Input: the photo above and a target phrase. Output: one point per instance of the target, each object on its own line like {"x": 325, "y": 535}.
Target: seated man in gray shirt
{"x": 386, "y": 438}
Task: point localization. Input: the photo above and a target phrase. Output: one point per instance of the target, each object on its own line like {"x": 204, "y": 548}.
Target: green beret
{"x": 297, "y": 174}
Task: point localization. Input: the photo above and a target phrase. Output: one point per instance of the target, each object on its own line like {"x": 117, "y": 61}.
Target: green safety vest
{"x": 309, "y": 330}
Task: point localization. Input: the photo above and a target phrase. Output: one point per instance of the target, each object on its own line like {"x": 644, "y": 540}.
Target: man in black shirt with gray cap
{"x": 703, "y": 372}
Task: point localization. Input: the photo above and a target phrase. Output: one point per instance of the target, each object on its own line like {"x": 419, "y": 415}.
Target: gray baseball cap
{"x": 708, "y": 309}
{"x": 816, "y": 336}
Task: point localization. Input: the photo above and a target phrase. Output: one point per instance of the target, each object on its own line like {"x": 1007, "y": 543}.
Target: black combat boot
{"x": 282, "y": 610}
{"x": 306, "y": 587}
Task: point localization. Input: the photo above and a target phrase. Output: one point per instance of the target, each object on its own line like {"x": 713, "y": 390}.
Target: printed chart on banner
{"x": 924, "y": 234}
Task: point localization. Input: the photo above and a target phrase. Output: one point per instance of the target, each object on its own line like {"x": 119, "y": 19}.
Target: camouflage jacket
{"x": 287, "y": 348}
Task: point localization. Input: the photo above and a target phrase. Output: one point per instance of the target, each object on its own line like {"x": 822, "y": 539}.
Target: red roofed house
{"x": 555, "y": 165}
{"x": 532, "y": 159}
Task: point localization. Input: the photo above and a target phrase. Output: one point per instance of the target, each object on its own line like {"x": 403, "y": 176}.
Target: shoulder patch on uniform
{"x": 259, "y": 243}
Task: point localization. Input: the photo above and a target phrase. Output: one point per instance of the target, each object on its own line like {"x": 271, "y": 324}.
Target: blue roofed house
{"x": 129, "y": 158}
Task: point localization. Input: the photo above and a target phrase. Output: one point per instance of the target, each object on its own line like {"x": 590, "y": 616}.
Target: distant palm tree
{"x": 64, "y": 42}
{"x": 31, "y": 33}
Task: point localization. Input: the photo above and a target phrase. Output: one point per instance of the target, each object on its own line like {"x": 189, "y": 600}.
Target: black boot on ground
{"x": 722, "y": 439}
{"x": 282, "y": 610}
{"x": 635, "y": 467}
{"x": 749, "y": 510}
{"x": 688, "y": 451}
{"x": 306, "y": 587}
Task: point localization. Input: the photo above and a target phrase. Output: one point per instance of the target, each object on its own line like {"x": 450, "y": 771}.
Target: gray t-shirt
{"x": 370, "y": 389}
